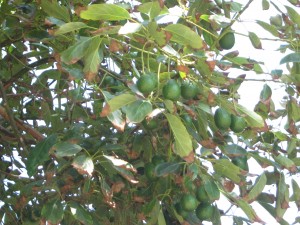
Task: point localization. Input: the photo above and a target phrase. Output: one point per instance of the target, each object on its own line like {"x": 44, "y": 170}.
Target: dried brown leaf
{"x": 105, "y": 110}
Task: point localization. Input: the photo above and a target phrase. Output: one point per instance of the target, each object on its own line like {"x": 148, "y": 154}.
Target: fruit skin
{"x": 227, "y": 41}
{"x": 188, "y": 202}
{"x": 222, "y": 119}
{"x": 241, "y": 161}
{"x": 109, "y": 81}
{"x": 205, "y": 211}
{"x": 157, "y": 159}
{"x": 150, "y": 171}
{"x": 238, "y": 124}
{"x": 171, "y": 90}
{"x": 146, "y": 84}
{"x": 151, "y": 124}
{"x": 188, "y": 90}
{"x": 188, "y": 121}
{"x": 276, "y": 20}
{"x": 201, "y": 194}
{"x": 181, "y": 211}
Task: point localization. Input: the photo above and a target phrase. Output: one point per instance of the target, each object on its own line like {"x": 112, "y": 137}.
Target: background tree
{"x": 115, "y": 114}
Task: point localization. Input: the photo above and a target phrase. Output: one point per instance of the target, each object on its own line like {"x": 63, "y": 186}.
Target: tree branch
{"x": 31, "y": 66}
{"x": 20, "y": 124}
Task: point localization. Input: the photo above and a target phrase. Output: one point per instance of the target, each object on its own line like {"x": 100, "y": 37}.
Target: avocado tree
{"x": 117, "y": 113}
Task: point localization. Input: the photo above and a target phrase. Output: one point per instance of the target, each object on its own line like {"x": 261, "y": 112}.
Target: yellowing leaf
{"x": 105, "y": 11}
{"x": 183, "y": 142}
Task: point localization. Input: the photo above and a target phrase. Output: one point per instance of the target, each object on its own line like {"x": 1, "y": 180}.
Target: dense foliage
{"x": 120, "y": 114}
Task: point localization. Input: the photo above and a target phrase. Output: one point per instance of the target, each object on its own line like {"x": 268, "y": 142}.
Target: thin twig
{"x": 20, "y": 124}
{"x": 240, "y": 13}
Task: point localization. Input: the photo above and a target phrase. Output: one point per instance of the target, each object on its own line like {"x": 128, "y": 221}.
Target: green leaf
{"x": 266, "y": 198}
{"x": 92, "y": 57}
{"x": 294, "y": 15}
{"x": 282, "y": 197}
{"x": 271, "y": 210}
{"x": 111, "y": 12}
{"x": 53, "y": 211}
{"x": 69, "y": 27}
{"x": 166, "y": 168}
{"x": 285, "y": 163}
{"x": 83, "y": 164}
{"x": 138, "y": 110}
{"x": 80, "y": 213}
{"x": 292, "y": 145}
{"x": 74, "y": 70}
{"x": 63, "y": 149}
{"x": 248, "y": 210}
{"x": 226, "y": 168}
{"x": 258, "y": 187}
{"x": 150, "y": 8}
{"x": 270, "y": 28}
{"x": 265, "y": 93}
{"x": 246, "y": 64}
{"x": 161, "y": 218}
{"x": 296, "y": 193}
{"x": 52, "y": 8}
{"x": 210, "y": 187}
{"x": 234, "y": 150}
{"x": 39, "y": 154}
{"x": 183, "y": 142}
{"x": 183, "y": 35}
{"x": 252, "y": 118}
{"x": 236, "y": 7}
{"x": 293, "y": 110}
{"x": 77, "y": 51}
{"x": 120, "y": 101}
{"x": 263, "y": 161}
{"x": 265, "y": 4}
{"x": 292, "y": 57}
{"x": 255, "y": 40}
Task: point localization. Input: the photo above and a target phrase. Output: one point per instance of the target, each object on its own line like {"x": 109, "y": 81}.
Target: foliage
{"x": 75, "y": 143}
